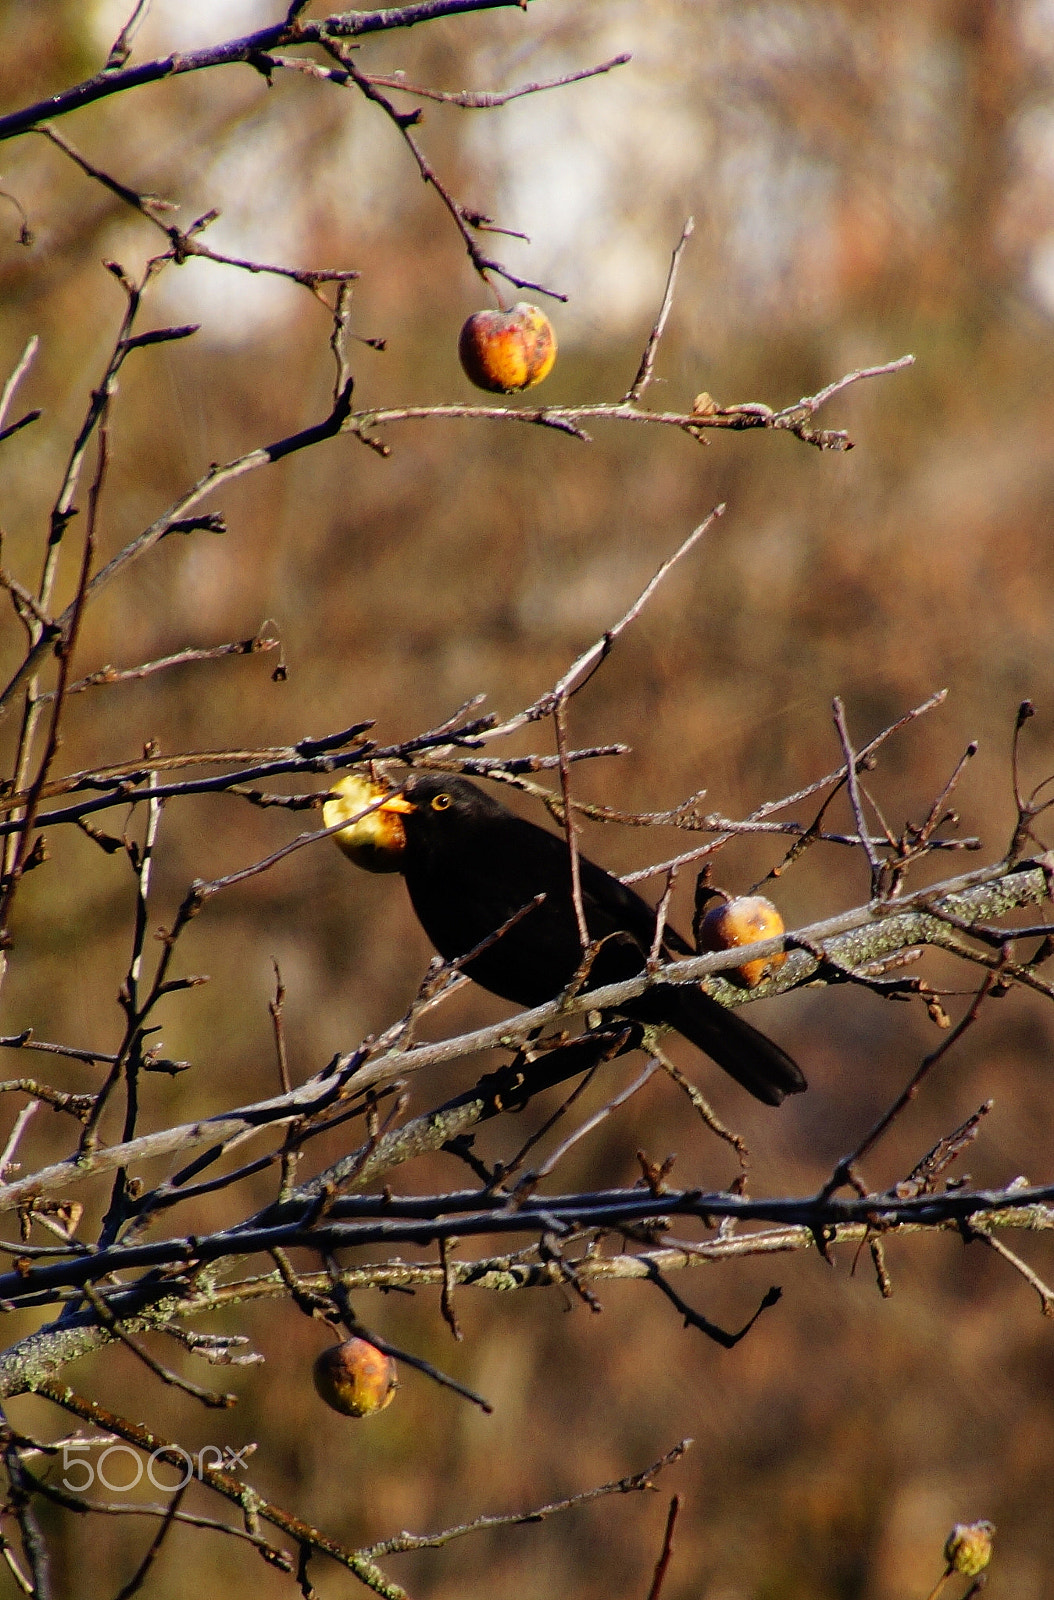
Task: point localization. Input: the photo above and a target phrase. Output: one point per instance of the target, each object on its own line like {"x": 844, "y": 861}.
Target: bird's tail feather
{"x": 762, "y": 1067}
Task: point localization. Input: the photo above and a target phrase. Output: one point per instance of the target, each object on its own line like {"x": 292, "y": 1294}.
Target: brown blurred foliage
{"x": 867, "y": 179}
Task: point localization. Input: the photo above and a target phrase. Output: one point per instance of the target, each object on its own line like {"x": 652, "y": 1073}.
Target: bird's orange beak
{"x": 397, "y": 802}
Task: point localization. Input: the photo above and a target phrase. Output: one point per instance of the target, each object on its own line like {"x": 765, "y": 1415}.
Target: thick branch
{"x": 470, "y": 1214}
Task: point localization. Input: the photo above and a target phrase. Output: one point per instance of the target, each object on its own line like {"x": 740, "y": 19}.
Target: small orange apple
{"x": 502, "y": 351}
{"x": 375, "y": 841}
{"x": 743, "y": 921}
{"x": 355, "y": 1378}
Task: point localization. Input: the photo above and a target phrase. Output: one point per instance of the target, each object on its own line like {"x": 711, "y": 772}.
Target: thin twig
{"x": 208, "y": 1397}
{"x": 582, "y": 669}
{"x": 138, "y": 1577}
{"x": 432, "y": 1541}
{"x": 531, "y": 1179}
{"x": 33, "y": 1543}
{"x": 574, "y": 419}
{"x": 446, "y": 1293}
{"x": 275, "y": 1009}
{"x": 846, "y": 1167}
{"x": 507, "y": 1169}
{"x": 466, "y": 220}
{"x": 106, "y": 677}
{"x": 445, "y": 1381}
{"x": 21, "y": 367}
{"x": 666, "y": 1552}
{"x": 215, "y": 477}
{"x": 661, "y": 914}
{"x": 1046, "y": 1294}
{"x": 695, "y": 1319}
{"x": 700, "y": 1104}
{"x": 22, "y": 1121}
{"x": 813, "y": 402}
{"x": 474, "y": 99}
{"x": 560, "y": 726}
{"x": 851, "y": 768}
{"x": 64, "y": 650}
{"x": 647, "y": 360}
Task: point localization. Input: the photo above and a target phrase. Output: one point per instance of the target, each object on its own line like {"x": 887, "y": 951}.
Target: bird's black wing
{"x": 464, "y": 889}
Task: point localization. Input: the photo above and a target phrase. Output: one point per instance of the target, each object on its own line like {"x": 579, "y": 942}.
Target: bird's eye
{"x": 441, "y": 802}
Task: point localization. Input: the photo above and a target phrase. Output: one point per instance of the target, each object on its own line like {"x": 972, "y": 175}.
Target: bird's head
{"x": 441, "y": 800}
{"x": 428, "y": 808}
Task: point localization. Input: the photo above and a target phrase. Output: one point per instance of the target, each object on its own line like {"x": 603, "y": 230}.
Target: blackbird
{"x": 470, "y": 865}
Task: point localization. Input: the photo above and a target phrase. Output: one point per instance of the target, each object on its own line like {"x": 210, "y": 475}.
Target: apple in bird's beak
{"x": 374, "y": 838}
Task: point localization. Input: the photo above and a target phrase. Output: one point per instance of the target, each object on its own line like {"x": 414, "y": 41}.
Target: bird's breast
{"x": 462, "y": 903}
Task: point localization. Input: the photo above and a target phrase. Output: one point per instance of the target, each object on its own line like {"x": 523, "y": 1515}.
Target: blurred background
{"x": 866, "y": 180}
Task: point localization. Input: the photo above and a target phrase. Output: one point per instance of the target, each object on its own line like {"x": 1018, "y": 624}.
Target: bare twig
{"x": 581, "y": 670}
{"x": 695, "y": 1319}
{"x": 846, "y": 1167}
{"x": 213, "y": 478}
{"x": 1046, "y": 1294}
{"x": 138, "y": 1577}
{"x": 852, "y": 768}
{"x": 208, "y": 1397}
{"x": 16, "y": 865}
{"x": 79, "y": 1105}
{"x": 275, "y": 1009}
{"x": 922, "y": 1179}
{"x": 22, "y": 1121}
{"x": 467, "y": 221}
{"x": 121, "y": 48}
{"x": 700, "y": 1104}
{"x": 445, "y": 1381}
{"x": 647, "y": 360}
{"x": 446, "y": 1293}
{"x": 507, "y": 1169}
{"x": 33, "y": 1545}
{"x": 475, "y": 99}
{"x": 106, "y": 677}
{"x": 184, "y": 242}
{"x": 661, "y": 914}
{"x": 662, "y": 1565}
{"x": 574, "y": 419}
{"x": 758, "y": 817}
{"x": 431, "y": 1541}
{"x": 18, "y": 372}
{"x": 531, "y": 1179}
{"x": 23, "y": 422}
{"x": 575, "y": 865}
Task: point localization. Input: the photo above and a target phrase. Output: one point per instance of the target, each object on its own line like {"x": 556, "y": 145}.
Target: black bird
{"x": 470, "y": 864}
